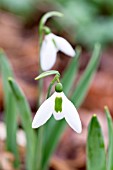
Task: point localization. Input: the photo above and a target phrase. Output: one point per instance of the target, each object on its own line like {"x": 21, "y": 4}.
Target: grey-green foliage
{"x": 82, "y": 86}
{"x": 96, "y": 156}
{"x": 9, "y": 107}
{"x": 26, "y": 118}
{"x": 110, "y": 145}
{"x": 72, "y": 70}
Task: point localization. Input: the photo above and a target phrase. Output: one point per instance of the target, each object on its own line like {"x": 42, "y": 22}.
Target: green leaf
{"x": 71, "y": 72}
{"x": 85, "y": 81}
{"x": 47, "y": 73}
{"x": 110, "y": 146}
{"x": 96, "y": 156}
{"x": 25, "y": 115}
{"x": 9, "y": 107}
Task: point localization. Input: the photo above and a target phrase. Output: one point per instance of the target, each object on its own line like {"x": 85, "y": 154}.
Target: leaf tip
{"x": 36, "y": 78}
{"x": 10, "y": 79}
{"x": 1, "y": 51}
{"x": 105, "y": 107}
{"x": 97, "y": 45}
{"x": 94, "y": 115}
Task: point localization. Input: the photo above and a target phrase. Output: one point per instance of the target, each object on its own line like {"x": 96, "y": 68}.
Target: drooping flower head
{"x": 58, "y": 105}
{"x": 50, "y": 46}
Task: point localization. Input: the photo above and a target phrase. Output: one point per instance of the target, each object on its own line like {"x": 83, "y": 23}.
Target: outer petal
{"x": 44, "y": 112}
{"x": 64, "y": 46}
{"x": 71, "y": 115}
{"x": 47, "y": 53}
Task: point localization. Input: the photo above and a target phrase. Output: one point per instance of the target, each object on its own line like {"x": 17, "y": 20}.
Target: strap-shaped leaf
{"x": 71, "y": 72}
{"x": 85, "y": 81}
{"x": 9, "y": 107}
{"x": 25, "y": 115}
{"x": 110, "y": 146}
{"x": 96, "y": 156}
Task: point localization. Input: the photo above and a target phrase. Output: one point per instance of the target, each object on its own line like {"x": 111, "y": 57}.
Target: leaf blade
{"x": 25, "y": 115}
{"x": 71, "y": 72}
{"x": 96, "y": 157}
{"x": 84, "y": 83}
{"x": 10, "y": 108}
{"x": 110, "y": 133}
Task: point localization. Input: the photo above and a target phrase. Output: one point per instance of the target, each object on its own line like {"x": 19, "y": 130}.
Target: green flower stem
{"x": 56, "y": 78}
{"x": 39, "y": 148}
{"x": 43, "y": 21}
{"x": 39, "y": 132}
{"x": 39, "y": 141}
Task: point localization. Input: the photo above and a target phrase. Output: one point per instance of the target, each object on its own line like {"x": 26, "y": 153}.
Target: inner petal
{"x": 58, "y": 104}
{"x": 58, "y": 114}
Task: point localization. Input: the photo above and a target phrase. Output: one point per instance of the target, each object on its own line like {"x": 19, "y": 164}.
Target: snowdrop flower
{"x": 50, "y": 46}
{"x": 58, "y": 105}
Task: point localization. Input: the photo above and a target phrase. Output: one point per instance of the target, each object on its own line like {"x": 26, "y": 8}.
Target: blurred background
{"x": 85, "y": 22}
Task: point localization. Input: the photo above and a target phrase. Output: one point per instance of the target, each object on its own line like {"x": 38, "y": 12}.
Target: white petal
{"x": 44, "y": 112}
{"x": 58, "y": 116}
{"x": 47, "y": 53}
{"x": 64, "y": 46}
{"x": 71, "y": 115}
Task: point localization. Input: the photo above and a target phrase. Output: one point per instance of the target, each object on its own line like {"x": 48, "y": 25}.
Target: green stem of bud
{"x": 56, "y": 78}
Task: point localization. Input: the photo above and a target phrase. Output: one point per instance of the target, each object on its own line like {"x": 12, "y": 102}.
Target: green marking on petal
{"x": 54, "y": 42}
{"x": 58, "y": 104}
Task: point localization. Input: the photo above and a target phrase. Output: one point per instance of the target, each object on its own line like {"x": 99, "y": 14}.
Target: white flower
{"x": 58, "y": 105}
{"x": 50, "y": 46}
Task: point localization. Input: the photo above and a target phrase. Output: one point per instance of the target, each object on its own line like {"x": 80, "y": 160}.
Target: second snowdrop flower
{"x": 50, "y": 46}
{"x": 58, "y": 105}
